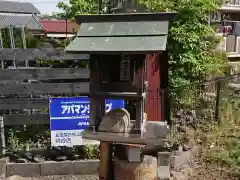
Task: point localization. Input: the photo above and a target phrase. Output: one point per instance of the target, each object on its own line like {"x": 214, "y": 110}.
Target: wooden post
{"x": 2, "y": 139}
{"x": 105, "y": 171}
{"x": 95, "y": 105}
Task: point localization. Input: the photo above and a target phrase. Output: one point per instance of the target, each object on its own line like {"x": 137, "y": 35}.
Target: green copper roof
{"x": 124, "y": 28}
{"x": 123, "y": 35}
{"x": 118, "y": 44}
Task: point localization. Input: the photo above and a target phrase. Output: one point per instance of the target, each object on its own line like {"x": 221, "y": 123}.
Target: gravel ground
{"x": 80, "y": 177}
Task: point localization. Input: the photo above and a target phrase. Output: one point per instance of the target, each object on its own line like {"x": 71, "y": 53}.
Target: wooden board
{"x": 20, "y": 54}
{"x": 44, "y": 73}
{"x": 120, "y": 95}
{"x": 43, "y": 88}
{"x": 118, "y": 87}
{"x": 24, "y": 103}
{"x": 10, "y": 120}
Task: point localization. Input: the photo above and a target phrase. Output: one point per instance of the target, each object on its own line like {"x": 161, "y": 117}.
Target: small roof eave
{"x": 126, "y": 17}
{"x": 118, "y": 45}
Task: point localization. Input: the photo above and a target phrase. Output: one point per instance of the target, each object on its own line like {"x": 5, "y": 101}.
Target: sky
{"x": 44, "y": 6}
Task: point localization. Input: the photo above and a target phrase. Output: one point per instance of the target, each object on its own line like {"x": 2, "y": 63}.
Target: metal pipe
{"x": 1, "y": 44}
{"x": 12, "y": 43}
{"x": 24, "y": 42}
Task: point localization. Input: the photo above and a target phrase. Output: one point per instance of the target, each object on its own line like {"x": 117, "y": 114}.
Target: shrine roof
{"x": 121, "y": 33}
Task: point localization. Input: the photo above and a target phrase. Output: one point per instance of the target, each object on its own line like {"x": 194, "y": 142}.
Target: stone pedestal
{"x": 145, "y": 170}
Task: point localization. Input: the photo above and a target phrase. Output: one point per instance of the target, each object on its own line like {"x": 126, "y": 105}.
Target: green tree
{"x": 74, "y": 7}
{"x": 192, "y": 40}
{"x": 52, "y": 16}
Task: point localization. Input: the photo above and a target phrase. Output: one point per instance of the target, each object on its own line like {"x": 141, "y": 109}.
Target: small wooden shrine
{"x": 119, "y": 46}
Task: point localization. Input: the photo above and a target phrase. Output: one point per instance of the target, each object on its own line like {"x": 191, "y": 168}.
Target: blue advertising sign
{"x": 69, "y": 117}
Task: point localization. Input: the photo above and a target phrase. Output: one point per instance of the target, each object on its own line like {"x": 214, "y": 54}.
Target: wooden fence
{"x": 17, "y": 95}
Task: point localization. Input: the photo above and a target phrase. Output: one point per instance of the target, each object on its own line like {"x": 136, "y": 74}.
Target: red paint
{"x": 153, "y": 102}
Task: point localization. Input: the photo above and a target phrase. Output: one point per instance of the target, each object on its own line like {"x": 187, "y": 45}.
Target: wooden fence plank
{"x": 20, "y": 54}
{"x": 26, "y": 103}
{"x": 44, "y": 73}
{"x": 43, "y": 88}
{"x": 10, "y": 120}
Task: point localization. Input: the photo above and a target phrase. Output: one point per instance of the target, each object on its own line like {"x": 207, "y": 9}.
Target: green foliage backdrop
{"x": 192, "y": 40}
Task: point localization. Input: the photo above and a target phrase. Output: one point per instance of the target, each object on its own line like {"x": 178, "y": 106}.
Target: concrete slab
{"x": 3, "y": 162}
{"x": 23, "y": 169}
{"x": 56, "y": 168}
{"x": 86, "y": 167}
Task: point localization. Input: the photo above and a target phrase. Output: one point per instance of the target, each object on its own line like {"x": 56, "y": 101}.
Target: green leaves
{"x": 192, "y": 39}
{"x": 74, "y": 7}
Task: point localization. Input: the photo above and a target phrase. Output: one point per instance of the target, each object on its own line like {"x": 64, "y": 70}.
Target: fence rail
{"x": 43, "y": 73}
{"x": 44, "y": 88}
{"x": 29, "y": 119}
{"x": 30, "y": 54}
{"x": 24, "y": 103}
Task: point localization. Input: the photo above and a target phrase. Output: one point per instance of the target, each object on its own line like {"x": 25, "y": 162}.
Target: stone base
{"x": 82, "y": 167}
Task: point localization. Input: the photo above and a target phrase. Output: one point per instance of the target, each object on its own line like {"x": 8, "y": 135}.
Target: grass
{"x": 221, "y": 141}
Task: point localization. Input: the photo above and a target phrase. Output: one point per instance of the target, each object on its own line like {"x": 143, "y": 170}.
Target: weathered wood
{"x": 20, "y": 54}
{"x": 43, "y": 73}
{"x": 122, "y": 138}
{"x": 43, "y": 88}
{"x": 10, "y": 120}
{"x": 94, "y": 85}
{"x": 117, "y": 95}
{"x": 105, "y": 160}
{"x": 24, "y": 103}
{"x": 117, "y": 87}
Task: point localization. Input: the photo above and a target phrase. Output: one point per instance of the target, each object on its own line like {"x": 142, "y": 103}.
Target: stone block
{"x": 3, "y": 162}
{"x": 86, "y": 167}
{"x": 133, "y": 153}
{"x": 163, "y": 169}
{"x": 23, "y": 169}
{"x": 183, "y": 157}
